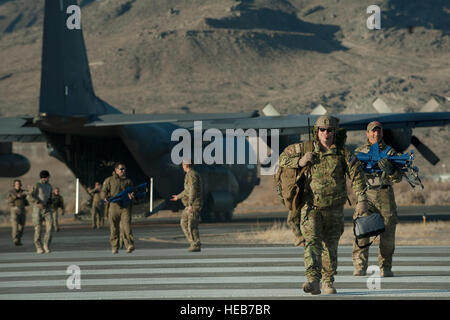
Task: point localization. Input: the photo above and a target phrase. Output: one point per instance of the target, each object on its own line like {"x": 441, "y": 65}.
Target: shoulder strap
{"x": 307, "y": 146}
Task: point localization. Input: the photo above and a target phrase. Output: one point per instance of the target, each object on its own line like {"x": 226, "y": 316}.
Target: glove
{"x": 362, "y": 207}
{"x": 386, "y": 166}
{"x": 307, "y": 158}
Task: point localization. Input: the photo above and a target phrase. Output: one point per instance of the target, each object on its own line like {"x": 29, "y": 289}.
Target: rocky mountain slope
{"x": 227, "y": 55}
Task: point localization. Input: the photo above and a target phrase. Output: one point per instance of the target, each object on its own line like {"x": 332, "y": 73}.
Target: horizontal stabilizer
{"x": 14, "y": 129}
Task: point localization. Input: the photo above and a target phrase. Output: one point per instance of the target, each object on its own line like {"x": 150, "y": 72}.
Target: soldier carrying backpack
{"x": 289, "y": 185}
{"x": 316, "y": 193}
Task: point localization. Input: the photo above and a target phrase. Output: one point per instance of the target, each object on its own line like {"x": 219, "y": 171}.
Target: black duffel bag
{"x": 368, "y": 226}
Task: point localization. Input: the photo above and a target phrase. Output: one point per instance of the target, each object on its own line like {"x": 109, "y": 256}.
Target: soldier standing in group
{"x": 119, "y": 218}
{"x": 97, "y": 209}
{"x": 17, "y": 201}
{"x": 192, "y": 199}
{"x": 41, "y": 198}
{"x": 57, "y": 203}
{"x": 381, "y": 194}
{"x": 324, "y": 195}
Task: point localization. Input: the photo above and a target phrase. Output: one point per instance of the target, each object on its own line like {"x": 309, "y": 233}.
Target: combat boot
{"x": 327, "y": 288}
{"x": 312, "y": 287}
{"x": 194, "y": 249}
{"x": 46, "y": 249}
{"x": 386, "y": 273}
{"x": 300, "y": 242}
{"x": 39, "y": 250}
{"x": 359, "y": 272}
{"x": 130, "y": 249}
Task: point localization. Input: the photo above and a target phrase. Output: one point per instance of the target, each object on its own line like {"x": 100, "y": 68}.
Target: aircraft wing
{"x": 287, "y": 124}
{"x": 180, "y": 119}
{"x": 18, "y": 129}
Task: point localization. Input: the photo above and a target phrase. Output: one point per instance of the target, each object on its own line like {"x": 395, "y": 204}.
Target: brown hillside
{"x": 226, "y": 55}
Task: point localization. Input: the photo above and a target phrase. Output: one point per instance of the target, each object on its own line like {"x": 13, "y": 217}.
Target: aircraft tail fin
{"x": 66, "y": 84}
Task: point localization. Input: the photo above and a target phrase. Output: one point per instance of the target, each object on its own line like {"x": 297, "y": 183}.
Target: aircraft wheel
{"x": 227, "y": 215}
{"x": 207, "y": 216}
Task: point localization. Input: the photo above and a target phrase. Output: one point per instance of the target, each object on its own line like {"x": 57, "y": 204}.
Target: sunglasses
{"x": 122, "y": 169}
{"x": 328, "y": 130}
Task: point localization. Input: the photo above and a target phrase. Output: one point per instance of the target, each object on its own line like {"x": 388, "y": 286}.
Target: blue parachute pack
{"x": 122, "y": 198}
{"x": 403, "y": 163}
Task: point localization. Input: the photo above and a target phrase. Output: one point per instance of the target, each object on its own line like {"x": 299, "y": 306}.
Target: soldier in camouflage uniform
{"x": 97, "y": 209}
{"x": 192, "y": 199}
{"x": 57, "y": 203}
{"x": 293, "y": 221}
{"x": 321, "y": 214}
{"x": 381, "y": 195}
{"x": 17, "y": 201}
{"x": 119, "y": 218}
{"x": 41, "y": 198}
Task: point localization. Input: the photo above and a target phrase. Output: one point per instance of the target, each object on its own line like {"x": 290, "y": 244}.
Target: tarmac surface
{"x": 81, "y": 266}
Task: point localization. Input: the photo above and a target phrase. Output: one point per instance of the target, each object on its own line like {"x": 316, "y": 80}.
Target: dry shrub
{"x": 433, "y": 194}
{"x": 278, "y": 233}
{"x": 433, "y": 233}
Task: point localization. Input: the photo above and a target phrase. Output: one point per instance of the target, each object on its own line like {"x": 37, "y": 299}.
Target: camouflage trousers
{"x": 55, "y": 216}
{"x": 384, "y": 201}
{"x": 18, "y": 217}
{"x": 189, "y": 224}
{"x": 293, "y": 221}
{"x": 97, "y": 217}
{"x": 120, "y": 225}
{"x": 322, "y": 229}
{"x": 38, "y": 217}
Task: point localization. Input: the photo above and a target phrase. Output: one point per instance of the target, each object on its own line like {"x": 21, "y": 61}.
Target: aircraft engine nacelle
{"x": 399, "y": 139}
{"x": 13, "y": 165}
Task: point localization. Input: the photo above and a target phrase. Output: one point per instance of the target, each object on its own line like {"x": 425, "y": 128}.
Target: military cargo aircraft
{"x": 89, "y": 135}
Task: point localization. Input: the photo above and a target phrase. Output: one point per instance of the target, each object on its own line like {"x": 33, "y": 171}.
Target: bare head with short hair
{"x": 120, "y": 168}
{"x": 186, "y": 164}
{"x": 17, "y": 184}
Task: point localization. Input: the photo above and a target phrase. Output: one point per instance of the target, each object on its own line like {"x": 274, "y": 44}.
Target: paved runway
{"x": 234, "y": 272}
{"x": 81, "y": 266}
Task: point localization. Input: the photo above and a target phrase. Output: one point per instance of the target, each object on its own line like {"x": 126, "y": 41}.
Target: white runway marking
{"x": 249, "y": 272}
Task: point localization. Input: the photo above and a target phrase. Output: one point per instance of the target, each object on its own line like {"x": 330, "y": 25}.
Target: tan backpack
{"x": 289, "y": 182}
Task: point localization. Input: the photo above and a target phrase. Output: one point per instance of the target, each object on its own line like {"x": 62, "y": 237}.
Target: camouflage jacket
{"x": 57, "y": 202}
{"x": 17, "y": 198}
{"x": 96, "y": 197}
{"x": 374, "y": 179}
{"x": 41, "y": 194}
{"x": 192, "y": 195}
{"x": 113, "y": 185}
{"x": 325, "y": 183}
